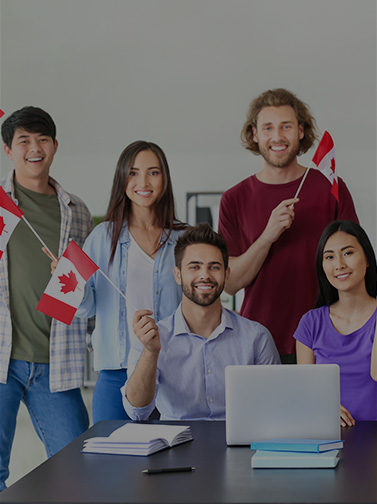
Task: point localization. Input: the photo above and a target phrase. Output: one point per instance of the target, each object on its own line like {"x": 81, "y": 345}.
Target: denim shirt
{"x": 110, "y": 339}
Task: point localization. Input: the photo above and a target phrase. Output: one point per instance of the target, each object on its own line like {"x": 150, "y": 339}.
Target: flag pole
{"x": 116, "y": 288}
{"x": 99, "y": 269}
{"x": 302, "y": 181}
{"x": 52, "y": 256}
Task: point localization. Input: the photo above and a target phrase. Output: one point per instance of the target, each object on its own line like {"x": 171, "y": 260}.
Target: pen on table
{"x": 168, "y": 470}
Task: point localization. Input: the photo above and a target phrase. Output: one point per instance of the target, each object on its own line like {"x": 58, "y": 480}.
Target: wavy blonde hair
{"x": 277, "y": 98}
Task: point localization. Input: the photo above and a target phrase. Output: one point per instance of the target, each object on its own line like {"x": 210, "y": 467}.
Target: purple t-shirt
{"x": 352, "y": 352}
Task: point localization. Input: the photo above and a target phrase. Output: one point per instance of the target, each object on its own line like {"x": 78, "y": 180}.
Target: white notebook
{"x": 139, "y": 439}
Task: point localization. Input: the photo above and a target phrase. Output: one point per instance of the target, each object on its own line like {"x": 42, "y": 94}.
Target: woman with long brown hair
{"x": 134, "y": 245}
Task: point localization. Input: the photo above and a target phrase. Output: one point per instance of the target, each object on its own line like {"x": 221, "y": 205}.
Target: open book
{"x": 139, "y": 439}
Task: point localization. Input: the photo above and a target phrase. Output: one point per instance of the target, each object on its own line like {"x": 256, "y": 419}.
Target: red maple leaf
{"x": 2, "y": 225}
{"x": 69, "y": 282}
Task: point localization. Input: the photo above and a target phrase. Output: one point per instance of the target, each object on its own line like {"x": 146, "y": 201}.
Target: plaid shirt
{"x": 67, "y": 343}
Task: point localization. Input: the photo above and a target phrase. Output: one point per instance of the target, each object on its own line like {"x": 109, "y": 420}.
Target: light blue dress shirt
{"x": 110, "y": 339}
{"x": 190, "y": 382}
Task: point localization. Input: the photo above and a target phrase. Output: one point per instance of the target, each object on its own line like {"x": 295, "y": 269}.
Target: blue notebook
{"x": 297, "y": 445}
{"x": 294, "y": 460}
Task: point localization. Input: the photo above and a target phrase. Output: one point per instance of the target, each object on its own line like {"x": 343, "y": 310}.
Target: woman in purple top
{"x": 342, "y": 329}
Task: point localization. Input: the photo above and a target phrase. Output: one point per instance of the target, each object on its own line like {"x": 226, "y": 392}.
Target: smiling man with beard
{"x": 179, "y": 363}
{"x": 272, "y": 237}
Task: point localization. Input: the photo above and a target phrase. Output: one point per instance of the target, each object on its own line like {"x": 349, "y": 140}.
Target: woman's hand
{"x": 54, "y": 260}
{"x": 346, "y": 419}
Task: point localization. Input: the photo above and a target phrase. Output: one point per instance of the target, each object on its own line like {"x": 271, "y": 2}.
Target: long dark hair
{"x": 329, "y": 294}
{"x": 119, "y": 206}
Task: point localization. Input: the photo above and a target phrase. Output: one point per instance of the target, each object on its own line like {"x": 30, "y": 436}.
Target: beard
{"x": 290, "y": 156}
{"x": 202, "y": 298}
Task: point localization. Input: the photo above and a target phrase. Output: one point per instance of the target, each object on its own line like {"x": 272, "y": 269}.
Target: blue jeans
{"x": 58, "y": 417}
{"x": 107, "y": 399}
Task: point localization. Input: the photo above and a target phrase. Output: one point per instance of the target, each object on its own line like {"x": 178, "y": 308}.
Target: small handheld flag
{"x": 65, "y": 290}
{"x": 10, "y": 216}
{"x": 324, "y": 161}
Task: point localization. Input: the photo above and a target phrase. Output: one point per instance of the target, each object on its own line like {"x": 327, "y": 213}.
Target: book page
{"x": 144, "y": 433}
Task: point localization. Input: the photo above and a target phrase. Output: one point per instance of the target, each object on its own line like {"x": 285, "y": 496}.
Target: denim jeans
{"x": 58, "y": 417}
{"x": 107, "y": 399}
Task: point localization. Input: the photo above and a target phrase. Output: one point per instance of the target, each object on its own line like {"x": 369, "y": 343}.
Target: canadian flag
{"x": 324, "y": 161}
{"x": 10, "y": 216}
{"x": 65, "y": 290}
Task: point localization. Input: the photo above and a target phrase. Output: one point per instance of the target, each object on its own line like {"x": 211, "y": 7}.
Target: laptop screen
{"x": 287, "y": 401}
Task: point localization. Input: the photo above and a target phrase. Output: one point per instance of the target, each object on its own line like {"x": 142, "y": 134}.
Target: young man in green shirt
{"x": 41, "y": 359}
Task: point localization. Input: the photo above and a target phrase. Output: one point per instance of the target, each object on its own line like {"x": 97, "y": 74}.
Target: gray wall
{"x": 182, "y": 73}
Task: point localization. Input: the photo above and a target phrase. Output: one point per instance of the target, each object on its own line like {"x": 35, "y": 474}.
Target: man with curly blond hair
{"x": 272, "y": 237}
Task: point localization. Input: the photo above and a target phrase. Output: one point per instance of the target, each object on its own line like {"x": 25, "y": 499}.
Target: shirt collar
{"x": 62, "y": 194}
{"x": 8, "y": 186}
{"x": 170, "y": 239}
{"x": 124, "y": 236}
{"x": 181, "y": 328}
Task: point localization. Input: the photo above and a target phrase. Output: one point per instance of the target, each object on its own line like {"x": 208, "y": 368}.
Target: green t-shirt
{"x": 29, "y": 272}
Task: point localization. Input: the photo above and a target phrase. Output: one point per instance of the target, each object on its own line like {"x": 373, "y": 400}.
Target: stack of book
{"x": 295, "y": 453}
{"x": 139, "y": 439}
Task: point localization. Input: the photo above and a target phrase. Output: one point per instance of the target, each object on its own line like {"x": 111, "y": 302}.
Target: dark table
{"x": 223, "y": 474}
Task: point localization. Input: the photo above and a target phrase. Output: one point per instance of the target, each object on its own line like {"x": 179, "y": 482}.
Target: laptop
{"x": 287, "y": 401}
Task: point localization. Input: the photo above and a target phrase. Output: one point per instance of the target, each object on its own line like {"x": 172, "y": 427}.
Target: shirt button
{"x": 209, "y": 371}
{"x": 211, "y": 400}
{"x": 156, "y": 292}
{"x": 156, "y": 271}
